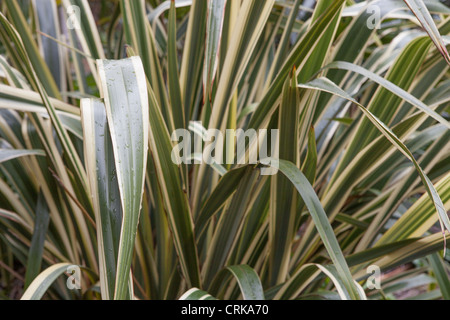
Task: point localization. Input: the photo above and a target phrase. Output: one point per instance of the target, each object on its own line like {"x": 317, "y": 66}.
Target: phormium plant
{"x": 315, "y": 150}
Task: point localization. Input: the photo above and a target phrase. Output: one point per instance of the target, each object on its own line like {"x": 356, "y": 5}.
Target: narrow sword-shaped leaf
{"x": 192, "y": 62}
{"x": 37, "y": 242}
{"x": 196, "y": 294}
{"x": 175, "y": 97}
{"x": 125, "y": 93}
{"x": 226, "y": 187}
{"x": 140, "y": 36}
{"x": 420, "y": 10}
{"x": 330, "y": 87}
{"x": 302, "y": 278}
{"x": 419, "y": 217}
{"x": 228, "y": 227}
{"x": 441, "y": 274}
{"x": 216, "y": 12}
{"x": 417, "y": 249}
{"x": 175, "y": 200}
{"x": 247, "y": 279}
{"x": 80, "y": 21}
{"x": 42, "y": 282}
{"x": 105, "y": 192}
{"x": 48, "y": 22}
{"x": 253, "y": 16}
{"x": 321, "y": 222}
{"x": 34, "y": 55}
{"x": 297, "y": 58}
{"x": 8, "y": 154}
{"x": 283, "y": 200}
{"x": 389, "y": 86}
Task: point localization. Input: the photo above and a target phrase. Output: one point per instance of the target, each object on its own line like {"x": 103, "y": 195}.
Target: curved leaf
{"x": 44, "y": 280}
{"x": 125, "y": 93}
{"x": 9, "y": 154}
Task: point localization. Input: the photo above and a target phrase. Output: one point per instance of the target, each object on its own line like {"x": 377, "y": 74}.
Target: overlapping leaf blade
{"x": 126, "y": 100}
